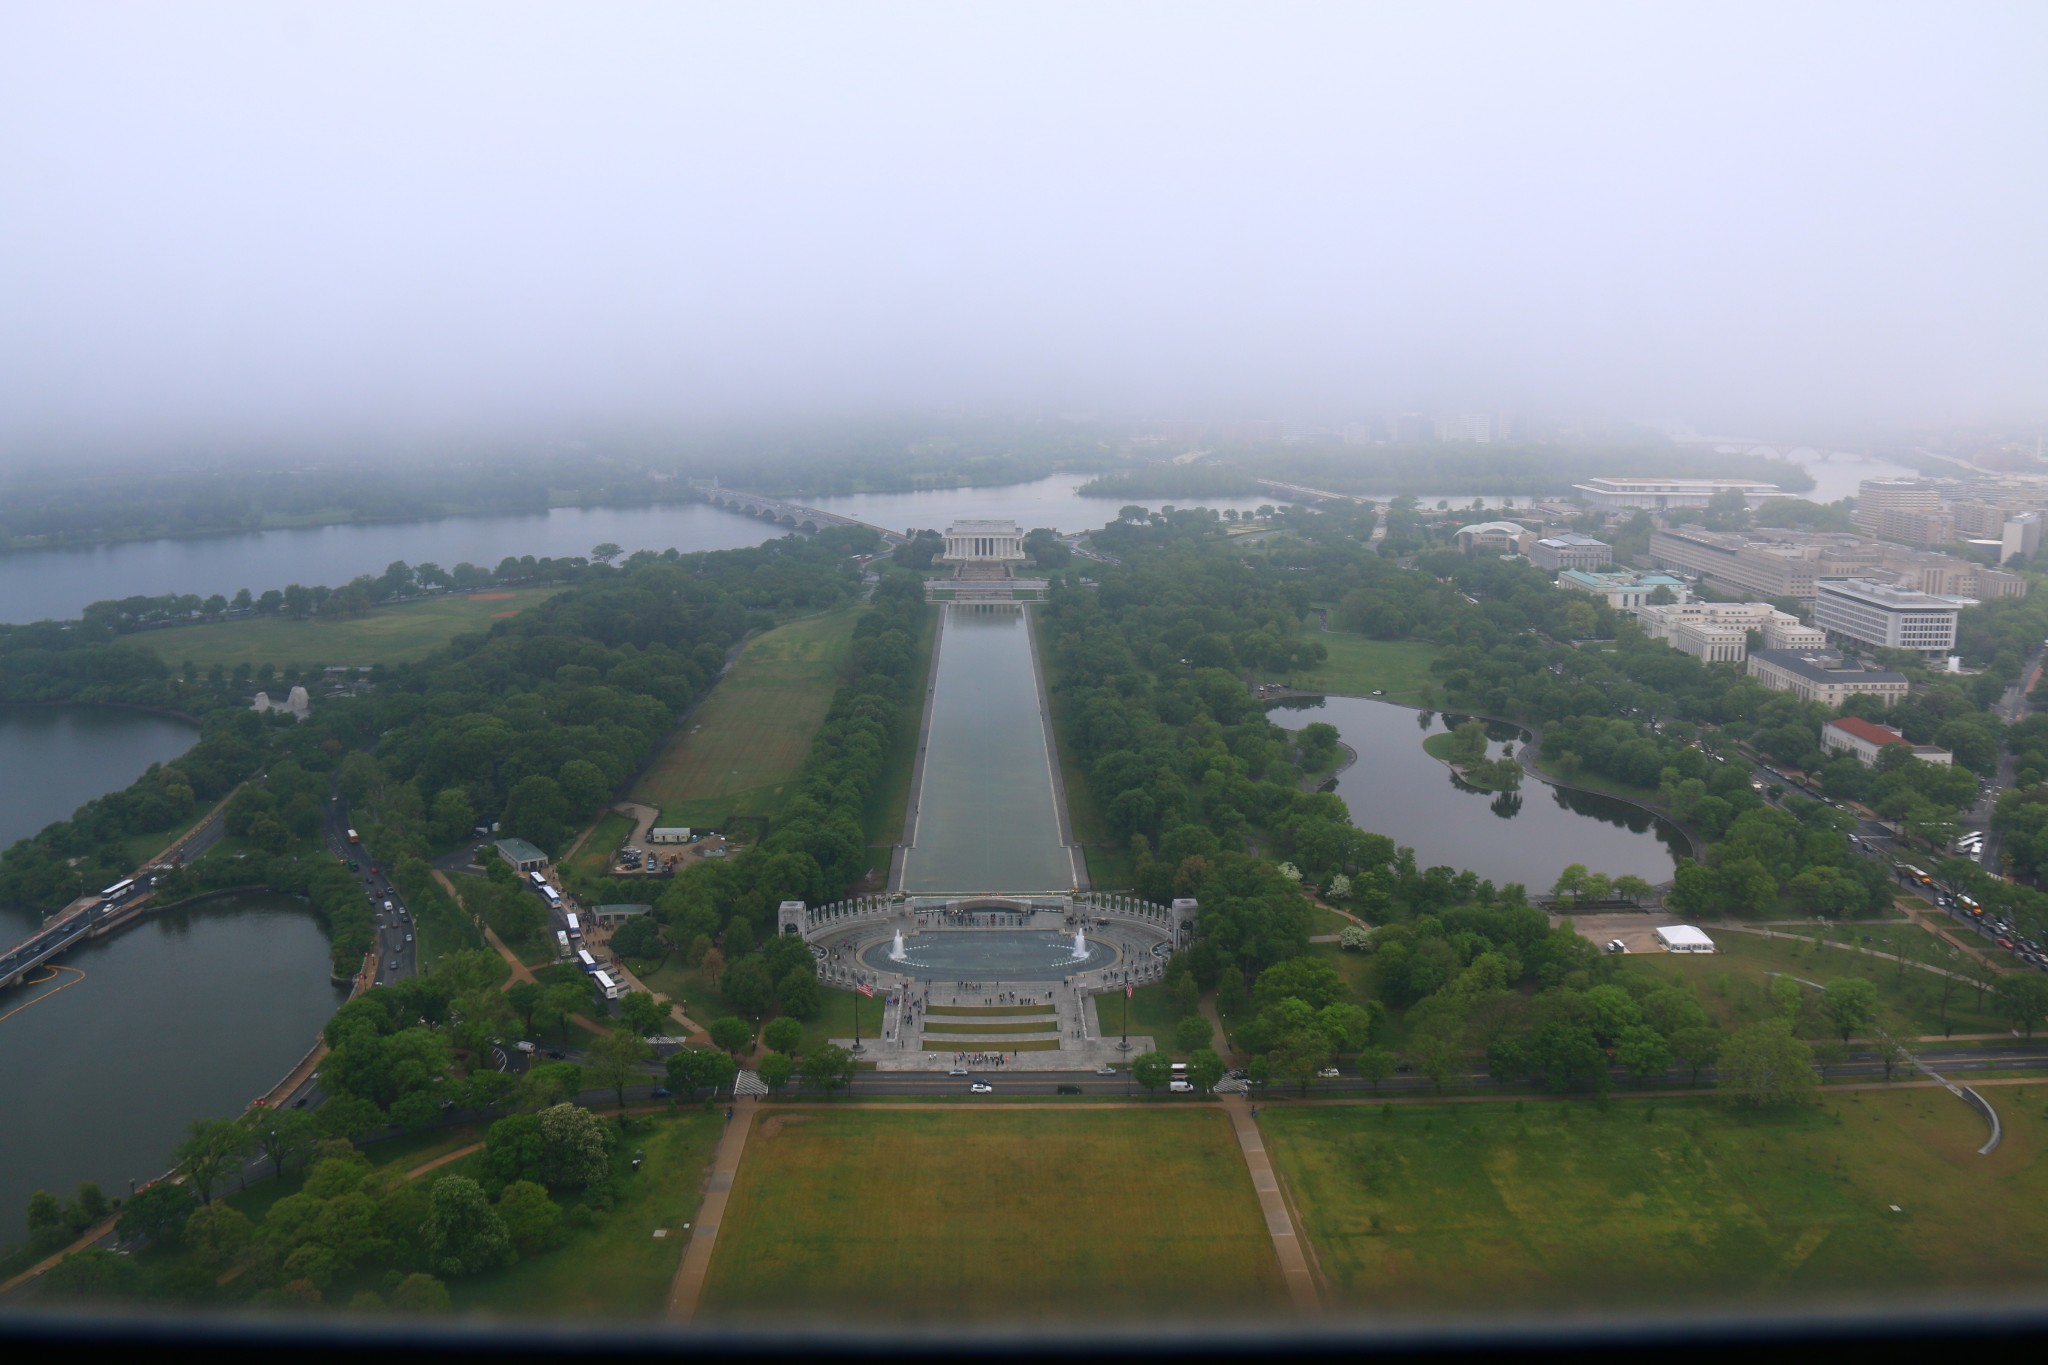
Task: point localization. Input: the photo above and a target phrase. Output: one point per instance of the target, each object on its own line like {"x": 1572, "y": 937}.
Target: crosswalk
{"x": 1233, "y": 1085}
{"x": 749, "y": 1083}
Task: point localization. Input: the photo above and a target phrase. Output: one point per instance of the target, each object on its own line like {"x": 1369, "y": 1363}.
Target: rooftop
{"x": 1870, "y": 732}
{"x": 519, "y": 851}
{"x": 1488, "y": 528}
{"x": 1621, "y": 578}
{"x": 1568, "y": 538}
{"x": 1886, "y": 595}
{"x": 982, "y": 527}
{"x": 1824, "y": 665}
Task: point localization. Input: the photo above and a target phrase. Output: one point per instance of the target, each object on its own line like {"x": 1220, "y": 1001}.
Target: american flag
{"x": 865, "y": 989}
{"x": 1127, "y": 990}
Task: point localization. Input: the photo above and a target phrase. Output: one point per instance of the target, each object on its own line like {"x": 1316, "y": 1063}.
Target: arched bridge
{"x": 788, "y": 514}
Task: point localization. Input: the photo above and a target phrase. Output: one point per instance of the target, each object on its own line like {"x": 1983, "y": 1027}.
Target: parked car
{"x": 1328, "y": 1073}
{"x": 660, "y": 1092}
{"x": 1180, "y": 1087}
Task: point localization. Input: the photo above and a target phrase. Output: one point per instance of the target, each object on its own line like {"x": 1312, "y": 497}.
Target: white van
{"x": 1180, "y": 1071}
{"x": 1180, "y": 1087}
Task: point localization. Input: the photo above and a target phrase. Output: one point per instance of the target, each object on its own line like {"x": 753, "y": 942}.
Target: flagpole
{"x": 1125, "y": 1045}
{"x": 856, "y": 1014}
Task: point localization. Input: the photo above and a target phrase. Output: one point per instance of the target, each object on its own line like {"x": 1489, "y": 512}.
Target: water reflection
{"x": 1398, "y": 790}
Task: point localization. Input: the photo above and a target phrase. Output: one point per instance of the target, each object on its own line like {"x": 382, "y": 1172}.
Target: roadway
{"x": 397, "y": 950}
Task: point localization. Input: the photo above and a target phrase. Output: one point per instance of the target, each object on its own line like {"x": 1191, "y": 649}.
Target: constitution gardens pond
{"x": 1528, "y": 835}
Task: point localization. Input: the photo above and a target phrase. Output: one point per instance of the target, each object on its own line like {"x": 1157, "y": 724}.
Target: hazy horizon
{"x": 240, "y": 225}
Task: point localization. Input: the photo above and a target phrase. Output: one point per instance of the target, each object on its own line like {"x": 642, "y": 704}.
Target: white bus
{"x": 554, "y": 897}
{"x": 585, "y": 960}
{"x": 562, "y": 938}
{"x": 540, "y": 883}
{"x": 118, "y": 889}
{"x": 575, "y": 927}
{"x": 612, "y": 990}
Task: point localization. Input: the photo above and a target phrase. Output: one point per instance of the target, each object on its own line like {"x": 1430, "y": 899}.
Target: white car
{"x": 981, "y": 1088}
{"x": 1105, "y": 1071}
{"x": 1328, "y": 1073}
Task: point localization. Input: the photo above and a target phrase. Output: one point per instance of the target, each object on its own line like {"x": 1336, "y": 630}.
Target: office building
{"x": 1824, "y": 676}
{"x": 1886, "y": 617}
{"x": 1718, "y": 632}
{"x": 1906, "y": 510}
{"x": 1662, "y": 495}
{"x": 1867, "y": 739}
{"x": 1570, "y": 550}
{"x": 1737, "y": 564}
{"x": 1625, "y": 590}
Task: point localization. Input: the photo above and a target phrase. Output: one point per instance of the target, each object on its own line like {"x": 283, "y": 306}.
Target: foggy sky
{"x": 270, "y": 220}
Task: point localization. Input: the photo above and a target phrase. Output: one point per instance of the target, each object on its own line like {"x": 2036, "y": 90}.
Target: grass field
{"x": 920, "y": 1217}
{"x": 741, "y": 748}
{"x": 1732, "y": 985}
{"x": 1362, "y": 666}
{"x": 594, "y": 859}
{"x": 616, "y": 1267}
{"x": 1646, "y": 1204}
{"x": 387, "y": 635}
{"x": 1152, "y": 1015}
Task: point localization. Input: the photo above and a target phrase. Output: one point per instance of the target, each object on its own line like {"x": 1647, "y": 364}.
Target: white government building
{"x": 984, "y": 542}
{"x": 1718, "y": 632}
{"x": 1879, "y": 614}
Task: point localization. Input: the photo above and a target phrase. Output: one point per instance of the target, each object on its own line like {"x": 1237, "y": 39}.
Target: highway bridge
{"x": 789, "y": 514}
{"x": 1298, "y": 491}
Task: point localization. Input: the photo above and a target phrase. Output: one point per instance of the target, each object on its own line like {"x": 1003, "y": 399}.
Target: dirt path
{"x": 444, "y": 1159}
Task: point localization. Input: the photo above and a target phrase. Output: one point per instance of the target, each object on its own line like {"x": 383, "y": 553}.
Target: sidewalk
{"x": 725, "y": 1164}
{"x": 1287, "y": 1243}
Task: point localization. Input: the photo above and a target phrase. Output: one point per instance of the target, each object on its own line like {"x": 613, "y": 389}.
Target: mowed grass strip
{"x": 1360, "y": 666}
{"x": 1660, "y": 1203}
{"x": 1038, "y": 1026}
{"x": 988, "y": 1011}
{"x": 740, "y": 749}
{"x": 923, "y": 1217}
{"x": 941, "y": 1042}
{"x": 386, "y": 635}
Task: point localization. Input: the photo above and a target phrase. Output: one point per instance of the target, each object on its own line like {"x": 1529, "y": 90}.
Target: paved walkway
{"x": 1287, "y": 1242}
{"x": 725, "y": 1164}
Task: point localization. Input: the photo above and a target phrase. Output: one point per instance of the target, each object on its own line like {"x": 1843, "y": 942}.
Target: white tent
{"x": 1683, "y": 938}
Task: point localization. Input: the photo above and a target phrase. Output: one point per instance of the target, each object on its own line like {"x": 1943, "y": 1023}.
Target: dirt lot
{"x": 1633, "y": 927}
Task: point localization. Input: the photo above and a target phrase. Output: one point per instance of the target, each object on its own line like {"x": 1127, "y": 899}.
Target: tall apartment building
{"x": 1906, "y": 510}
{"x": 1718, "y": 632}
{"x": 1661, "y": 495}
{"x": 1885, "y": 616}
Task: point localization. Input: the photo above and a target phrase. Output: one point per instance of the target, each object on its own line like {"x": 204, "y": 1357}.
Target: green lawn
{"x": 1732, "y": 985}
{"x": 1152, "y": 1015}
{"x": 1661, "y": 1203}
{"x": 594, "y": 859}
{"x": 616, "y": 1267}
{"x": 386, "y": 635}
{"x": 1361, "y": 666}
{"x": 740, "y": 749}
{"x": 944, "y": 1218}
{"x": 836, "y": 1019}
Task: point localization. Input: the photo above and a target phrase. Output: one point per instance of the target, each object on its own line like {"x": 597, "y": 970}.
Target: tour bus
{"x": 118, "y": 890}
{"x": 575, "y": 926}
{"x": 554, "y": 897}
{"x": 540, "y": 883}
{"x": 585, "y": 960}
{"x": 562, "y": 938}
{"x": 612, "y": 990}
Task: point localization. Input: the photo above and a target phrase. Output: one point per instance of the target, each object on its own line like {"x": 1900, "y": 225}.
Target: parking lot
{"x": 1635, "y": 928}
